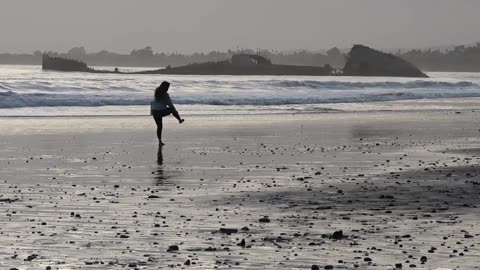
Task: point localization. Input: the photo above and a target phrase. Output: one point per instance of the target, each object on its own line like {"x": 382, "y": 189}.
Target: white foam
{"x": 25, "y": 87}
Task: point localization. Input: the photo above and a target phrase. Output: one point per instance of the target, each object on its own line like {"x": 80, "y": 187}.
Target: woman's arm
{"x": 170, "y": 103}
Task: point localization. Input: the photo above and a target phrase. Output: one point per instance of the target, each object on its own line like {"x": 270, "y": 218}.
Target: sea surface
{"x": 29, "y": 91}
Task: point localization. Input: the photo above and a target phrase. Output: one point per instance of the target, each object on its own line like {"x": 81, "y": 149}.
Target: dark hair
{"x": 162, "y": 89}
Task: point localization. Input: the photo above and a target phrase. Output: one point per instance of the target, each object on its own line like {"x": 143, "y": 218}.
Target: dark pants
{"x": 158, "y": 116}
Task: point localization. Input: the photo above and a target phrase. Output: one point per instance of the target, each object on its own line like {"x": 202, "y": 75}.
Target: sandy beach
{"x": 369, "y": 190}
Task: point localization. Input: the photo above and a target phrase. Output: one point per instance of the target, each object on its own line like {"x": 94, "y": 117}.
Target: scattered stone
{"x": 31, "y": 257}
{"x": 423, "y": 259}
{"x": 338, "y": 235}
{"x": 173, "y": 248}
{"x": 228, "y": 231}
{"x": 242, "y": 243}
{"x": 8, "y": 200}
{"x": 264, "y": 220}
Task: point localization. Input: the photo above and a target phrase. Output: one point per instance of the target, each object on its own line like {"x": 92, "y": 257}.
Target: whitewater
{"x": 29, "y": 91}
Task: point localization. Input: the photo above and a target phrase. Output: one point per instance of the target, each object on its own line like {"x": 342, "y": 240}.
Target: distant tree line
{"x": 461, "y": 58}
{"x": 146, "y": 57}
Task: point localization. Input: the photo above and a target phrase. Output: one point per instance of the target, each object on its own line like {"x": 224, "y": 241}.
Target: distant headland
{"x": 360, "y": 61}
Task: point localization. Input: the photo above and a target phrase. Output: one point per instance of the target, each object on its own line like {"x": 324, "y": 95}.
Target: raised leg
{"x": 177, "y": 116}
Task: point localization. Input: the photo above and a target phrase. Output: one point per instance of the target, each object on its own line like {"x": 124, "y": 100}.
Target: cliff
{"x": 364, "y": 61}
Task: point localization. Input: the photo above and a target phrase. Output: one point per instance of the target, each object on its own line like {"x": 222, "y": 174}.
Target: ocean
{"x": 29, "y": 91}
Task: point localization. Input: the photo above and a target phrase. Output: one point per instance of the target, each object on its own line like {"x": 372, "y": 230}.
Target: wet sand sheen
{"x": 241, "y": 192}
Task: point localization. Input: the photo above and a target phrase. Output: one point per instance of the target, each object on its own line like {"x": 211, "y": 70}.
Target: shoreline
{"x": 145, "y": 123}
{"x": 414, "y": 105}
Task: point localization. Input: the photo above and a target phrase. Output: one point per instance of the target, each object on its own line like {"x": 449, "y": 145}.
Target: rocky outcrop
{"x": 228, "y": 68}
{"x": 245, "y": 64}
{"x": 249, "y": 59}
{"x": 361, "y": 61}
{"x": 256, "y": 65}
{"x": 364, "y": 61}
{"x": 63, "y": 64}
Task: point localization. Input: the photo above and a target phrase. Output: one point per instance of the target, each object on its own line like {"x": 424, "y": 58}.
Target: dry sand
{"x": 242, "y": 192}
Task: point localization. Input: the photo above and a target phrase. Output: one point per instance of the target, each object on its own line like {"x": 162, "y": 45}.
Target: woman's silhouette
{"x": 162, "y": 106}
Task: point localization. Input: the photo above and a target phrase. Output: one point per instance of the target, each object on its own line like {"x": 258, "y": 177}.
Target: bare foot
{"x": 181, "y": 121}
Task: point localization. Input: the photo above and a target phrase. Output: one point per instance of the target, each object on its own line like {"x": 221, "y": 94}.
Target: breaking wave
{"x": 100, "y": 90}
{"x": 363, "y": 85}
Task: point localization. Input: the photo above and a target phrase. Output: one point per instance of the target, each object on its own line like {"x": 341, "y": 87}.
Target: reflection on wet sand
{"x": 163, "y": 174}
{"x": 159, "y": 174}
{"x": 160, "y": 155}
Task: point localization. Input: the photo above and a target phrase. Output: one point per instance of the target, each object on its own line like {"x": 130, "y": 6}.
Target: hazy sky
{"x": 204, "y": 25}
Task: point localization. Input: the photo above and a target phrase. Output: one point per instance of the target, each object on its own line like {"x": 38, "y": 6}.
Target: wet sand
{"x": 242, "y": 192}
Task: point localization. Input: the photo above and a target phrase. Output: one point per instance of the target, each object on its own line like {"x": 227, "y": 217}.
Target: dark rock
{"x": 63, "y": 64}
{"x": 242, "y": 243}
{"x": 240, "y": 64}
{"x": 264, "y": 220}
{"x": 8, "y": 200}
{"x": 228, "y": 231}
{"x": 423, "y": 259}
{"x": 338, "y": 235}
{"x": 249, "y": 65}
{"x": 173, "y": 248}
{"x": 31, "y": 257}
{"x": 364, "y": 61}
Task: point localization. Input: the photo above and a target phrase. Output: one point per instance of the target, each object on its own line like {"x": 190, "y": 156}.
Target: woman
{"x": 162, "y": 106}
